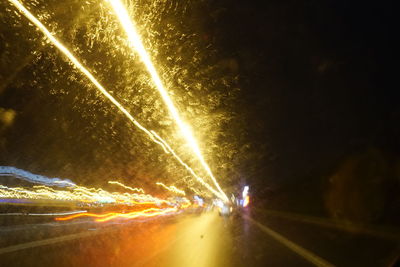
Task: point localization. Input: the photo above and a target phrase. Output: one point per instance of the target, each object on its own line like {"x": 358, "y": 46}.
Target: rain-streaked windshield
{"x": 198, "y": 133}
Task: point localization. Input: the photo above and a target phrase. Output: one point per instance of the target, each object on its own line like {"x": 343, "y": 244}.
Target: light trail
{"x": 76, "y": 63}
{"x": 34, "y": 178}
{"x": 197, "y": 192}
{"x": 172, "y": 189}
{"x": 187, "y": 205}
{"x": 79, "y": 194}
{"x": 104, "y": 217}
{"x": 80, "y": 67}
{"x": 140, "y": 190}
{"x": 198, "y": 178}
{"x": 137, "y": 44}
{"x": 44, "y": 214}
{"x": 134, "y": 215}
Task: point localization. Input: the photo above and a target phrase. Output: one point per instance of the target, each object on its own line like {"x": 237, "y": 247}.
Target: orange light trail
{"x": 150, "y": 212}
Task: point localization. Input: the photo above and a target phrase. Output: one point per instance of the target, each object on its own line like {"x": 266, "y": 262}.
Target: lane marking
{"x": 311, "y": 257}
{"x": 48, "y": 241}
{"x": 69, "y": 237}
{"x": 391, "y": 234}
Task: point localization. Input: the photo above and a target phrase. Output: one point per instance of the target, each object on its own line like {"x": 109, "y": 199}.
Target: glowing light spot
{"x": 246, "y": 201}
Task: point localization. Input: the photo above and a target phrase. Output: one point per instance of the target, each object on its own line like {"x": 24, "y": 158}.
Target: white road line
{"x": 311, "y": 257}
{"x": 44, "y": 242}
{"x": 63, "y": 238}
{"x": 351, "y": 227}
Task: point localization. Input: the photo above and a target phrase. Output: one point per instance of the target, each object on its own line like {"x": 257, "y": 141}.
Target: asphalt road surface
{"x": 257, "y": 239}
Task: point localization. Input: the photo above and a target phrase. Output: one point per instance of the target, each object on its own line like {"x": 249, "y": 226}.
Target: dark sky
{"x": 317, "y": 80}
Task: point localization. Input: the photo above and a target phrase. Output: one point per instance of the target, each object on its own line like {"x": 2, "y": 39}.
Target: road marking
{"x": 311, "y": 257}
{"x": 64, "y": 238}
{"x": 390, "y": 234}
{"x": 46, "y": 242}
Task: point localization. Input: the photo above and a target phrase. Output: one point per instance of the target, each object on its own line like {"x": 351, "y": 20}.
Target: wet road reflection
{"x": 202, "y": 241}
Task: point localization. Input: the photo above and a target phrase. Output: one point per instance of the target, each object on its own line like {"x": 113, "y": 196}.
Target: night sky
{"x": 317, "y": 76}
{"x": 318, "y": 90}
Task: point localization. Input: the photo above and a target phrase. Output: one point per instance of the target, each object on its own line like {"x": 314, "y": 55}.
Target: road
{"x": 257, "y": 239}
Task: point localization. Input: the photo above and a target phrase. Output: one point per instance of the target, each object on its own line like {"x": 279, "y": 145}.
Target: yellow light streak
{"x": 186, "y": 205}
{"x": 151, "y": 212}
{"x": 79, "y": 194}
{"x": 198, "y": 178}
{"x": 133, "y": 215}
{"x": 137, "y": 44}
{"x": 197, "y": 192}
{"x": 172, "y": 189}
{"x": 76, "y": 63}
{"x": 140, "y": 190}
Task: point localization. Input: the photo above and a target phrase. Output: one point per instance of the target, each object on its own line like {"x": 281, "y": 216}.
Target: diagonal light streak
{"x": 198, "y": 178}
{"x": 137, "y": 44}
{"x": 76, "y": 63}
